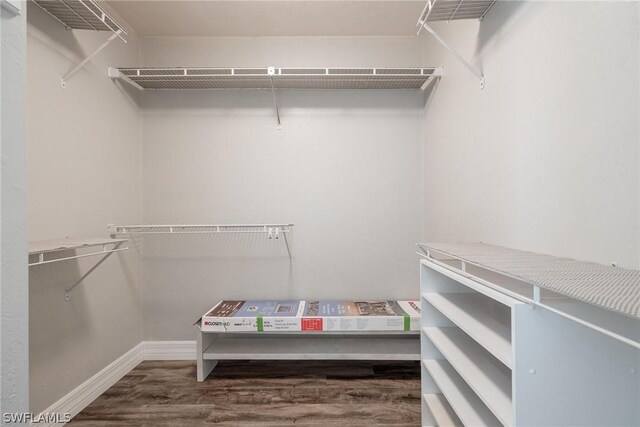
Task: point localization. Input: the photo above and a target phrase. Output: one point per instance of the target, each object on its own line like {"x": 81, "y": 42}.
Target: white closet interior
{"x": 171, "y": 148}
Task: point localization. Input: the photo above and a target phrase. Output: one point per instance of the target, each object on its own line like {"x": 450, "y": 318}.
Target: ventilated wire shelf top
{"x": 450, "y": 10}
{"x": 613, "y": 288}
{"x": 48, "y": 246}
{"x": 284, "y": 78}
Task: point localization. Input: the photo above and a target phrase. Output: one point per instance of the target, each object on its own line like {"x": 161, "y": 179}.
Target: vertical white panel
{"x": 14, "y": 320}
{"x": 568, "y": 375}
{"x": 427, "y": 349}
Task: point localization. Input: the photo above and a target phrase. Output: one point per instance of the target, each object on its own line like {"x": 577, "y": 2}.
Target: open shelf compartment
{"x": 487, "y": 323}
{"x": 442, "y": 412}
{"x": 468, "y": 407}
{"x": 478, "y": 368}
{"x": 312, "y": 347}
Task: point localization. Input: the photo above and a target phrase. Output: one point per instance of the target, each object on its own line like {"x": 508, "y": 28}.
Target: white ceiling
{"x": 284, "y": 18}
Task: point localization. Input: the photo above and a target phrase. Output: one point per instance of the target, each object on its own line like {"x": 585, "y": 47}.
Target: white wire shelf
{"x": 80, "y": 15}
{"x": 279, "y": 78}
{"x": 272, "y": 231}
{"x": 613, "y": 288}
{"x": 45, "y": 248}
{"x": 450, "y": 10}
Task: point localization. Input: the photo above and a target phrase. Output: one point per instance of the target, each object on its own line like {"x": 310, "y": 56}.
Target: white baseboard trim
{"x": 169, "y": 350}
{"x": 80, "y": 397}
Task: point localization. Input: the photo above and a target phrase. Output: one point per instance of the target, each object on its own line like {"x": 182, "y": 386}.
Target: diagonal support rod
{"x": 90, "y": 57}
{"x": 272, "y": 72}
{"x": 67, "y": 292}
{"x": 286, "y": 241}
{"x": 476, "y": 72}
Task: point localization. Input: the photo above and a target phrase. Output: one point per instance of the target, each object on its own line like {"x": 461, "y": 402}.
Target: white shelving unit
{"x": 497, "y": 351}
{"x": 366, "y": 345}
{"x": 271, "y": 231}
{"x": 48, "y": 251}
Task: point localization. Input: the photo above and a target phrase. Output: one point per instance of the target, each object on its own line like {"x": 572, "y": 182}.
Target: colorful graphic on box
{"x": 312, "y": 324}
{"x": 354, "y": 308}
{"x": 269, "y": 308}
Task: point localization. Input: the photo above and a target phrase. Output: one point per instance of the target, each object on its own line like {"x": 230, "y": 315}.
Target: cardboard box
{"x": 254, "y": 316}
{"x": 312, "y": 316}
{"x": 372, "y": 316}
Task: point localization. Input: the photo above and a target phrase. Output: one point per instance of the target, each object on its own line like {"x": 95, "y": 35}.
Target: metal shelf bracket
{"x": 112, "y": 37}
{"x": 114, "y": 73}
{"x": 271, "y": 71}
{"x": 106, "y": 252}
{"x": 474, "y": 70}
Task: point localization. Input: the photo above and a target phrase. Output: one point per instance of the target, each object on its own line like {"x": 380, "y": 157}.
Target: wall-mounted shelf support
{"x": 106, "y": 254}
{"x": 450, "y": 10}
{"x": 82, "y": 15}
{"x": 272, "y": 72}
{"x": 273, "y": 231}
{"x": 474, "y": 70}
{"x": 53, "y": 247}
{"x": 114, "y": 73}
{"x": 67, "y": 76}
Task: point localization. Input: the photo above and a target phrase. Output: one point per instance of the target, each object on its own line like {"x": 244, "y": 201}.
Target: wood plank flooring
{"x": 262, "y": 393}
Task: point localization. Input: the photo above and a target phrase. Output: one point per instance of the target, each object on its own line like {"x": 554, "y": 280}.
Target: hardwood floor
{"x": 265, "y": 394}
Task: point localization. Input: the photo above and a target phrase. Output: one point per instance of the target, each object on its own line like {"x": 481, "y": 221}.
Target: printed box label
{"x": 311, "y": 324}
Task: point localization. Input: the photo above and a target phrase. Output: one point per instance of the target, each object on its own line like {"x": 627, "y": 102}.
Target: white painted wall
{"x": 346, "y": 170}
{"x": 282, "y": 51}
{"x": 546, "y": 157}
{"x": 83, "y": 173}
{"x": 14, "y": 322}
